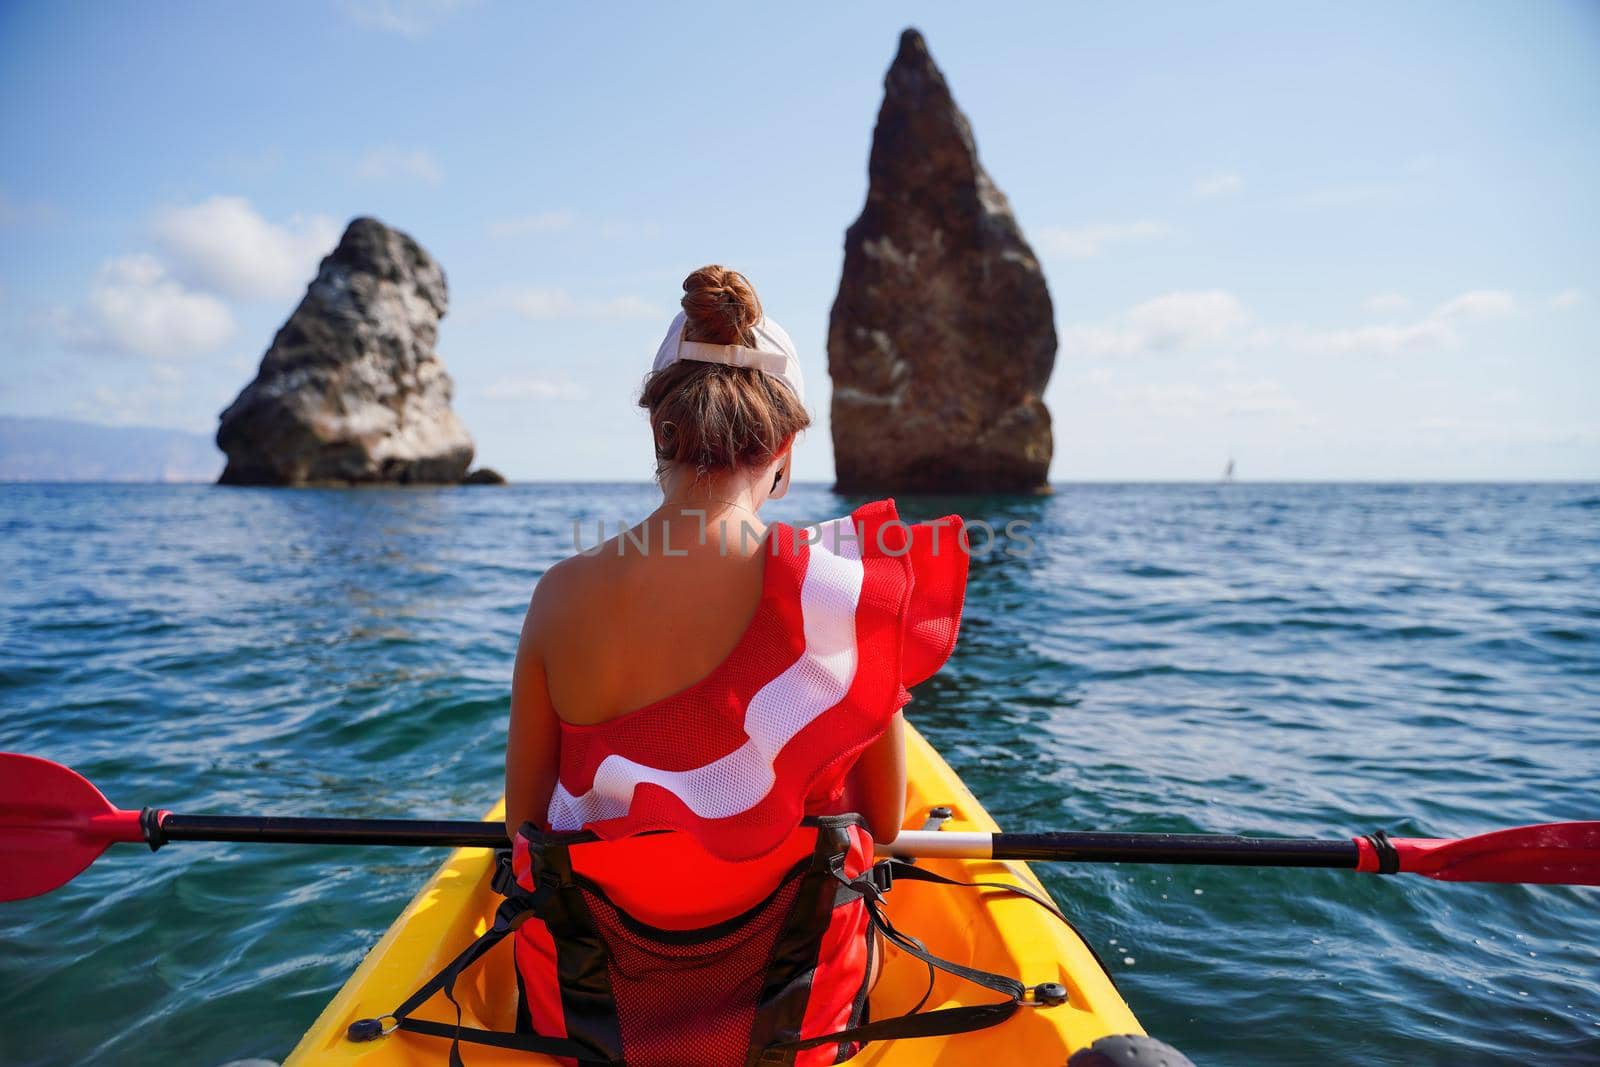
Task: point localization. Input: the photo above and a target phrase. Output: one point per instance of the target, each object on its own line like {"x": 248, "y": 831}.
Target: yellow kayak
{"x": 989, "y": 929}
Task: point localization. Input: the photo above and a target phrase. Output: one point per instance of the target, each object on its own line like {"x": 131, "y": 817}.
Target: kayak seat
{"x": 784, "y": 984}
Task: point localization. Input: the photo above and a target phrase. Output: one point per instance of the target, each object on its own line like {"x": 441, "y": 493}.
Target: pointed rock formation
{"x": 351, "y": 390}
{"x": 942, "y": 336}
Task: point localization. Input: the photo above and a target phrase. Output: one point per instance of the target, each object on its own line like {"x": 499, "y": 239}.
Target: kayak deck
{"x": 990, "y": 929}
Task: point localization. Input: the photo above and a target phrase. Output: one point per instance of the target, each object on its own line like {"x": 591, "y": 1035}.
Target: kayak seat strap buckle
{"x": 504, "y": 879}
{"x": 871, "y": 883}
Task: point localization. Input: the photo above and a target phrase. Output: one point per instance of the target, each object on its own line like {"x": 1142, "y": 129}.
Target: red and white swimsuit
{"x": 851, "y": 614}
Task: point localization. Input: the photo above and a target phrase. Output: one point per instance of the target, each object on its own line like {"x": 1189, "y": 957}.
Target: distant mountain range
{"x": 67, "y": 450}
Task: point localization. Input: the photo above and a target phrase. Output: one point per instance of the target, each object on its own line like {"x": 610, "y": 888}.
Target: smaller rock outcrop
{"x": 351, "y": 390}
{"x": 942, "y": 337}
{"x": 484, "y": 476}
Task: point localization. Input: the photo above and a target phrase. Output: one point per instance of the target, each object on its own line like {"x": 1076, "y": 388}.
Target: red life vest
{"x": 724, "y": 935}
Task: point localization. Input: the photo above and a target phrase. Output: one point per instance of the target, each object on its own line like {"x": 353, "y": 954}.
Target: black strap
{"x": 547, "y": 1046}
{"x": 896, "y": 868}
{"x": 1388, "y": 855}
{"x": 507, "y": 918}
{"x": 918, "y": 1023}
{"x": 900, "y": 869}
{"x": 870, "y": 886}
{"x": 941, "y": 1021}
{"x": 1000, "y": 983}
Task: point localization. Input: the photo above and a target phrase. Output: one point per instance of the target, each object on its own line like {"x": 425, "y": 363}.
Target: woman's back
{"x": 648, "y": 613}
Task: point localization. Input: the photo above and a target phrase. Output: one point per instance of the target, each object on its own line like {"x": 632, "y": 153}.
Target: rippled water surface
{"x": 1306, "y": 660}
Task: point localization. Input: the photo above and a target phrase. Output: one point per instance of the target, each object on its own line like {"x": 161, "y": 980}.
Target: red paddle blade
{"x": 53, "y": 824}
{"x": 1556, "y": 853}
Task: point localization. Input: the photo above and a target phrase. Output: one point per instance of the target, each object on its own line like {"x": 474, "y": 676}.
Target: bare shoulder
{"x": 575, "y": 580}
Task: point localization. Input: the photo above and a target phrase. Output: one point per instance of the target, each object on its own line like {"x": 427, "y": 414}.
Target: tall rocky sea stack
{"x": 942, "y": 337}
{"x": 351, "y": 390}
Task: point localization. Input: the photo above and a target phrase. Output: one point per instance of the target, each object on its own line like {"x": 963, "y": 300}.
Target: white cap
{"x": 774, "y": 353}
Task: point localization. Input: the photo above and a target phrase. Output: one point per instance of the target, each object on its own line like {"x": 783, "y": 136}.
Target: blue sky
{"x": 1350, "y": 241}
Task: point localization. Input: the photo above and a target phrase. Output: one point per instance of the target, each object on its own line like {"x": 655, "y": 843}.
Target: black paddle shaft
{"x": 1081, "y": 847}
{"x": 301, "y": 831}
{"x": 1214, "y": 849}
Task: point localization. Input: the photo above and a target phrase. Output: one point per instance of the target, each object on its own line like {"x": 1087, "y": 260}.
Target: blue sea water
{"x": 1313, "y": 660}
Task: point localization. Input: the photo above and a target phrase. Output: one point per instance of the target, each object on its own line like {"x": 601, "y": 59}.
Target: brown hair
{"x": 714, "y": 417}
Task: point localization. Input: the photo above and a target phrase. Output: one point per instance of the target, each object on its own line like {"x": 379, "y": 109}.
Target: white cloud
{"x": 408, "y": 18}
{"x": 1440, "y": 328}
{"x": 1174, "y": 321}
{"x": 1568, "y": 299}
{"x": 1162, "y": 401}
{"x": 1387, "y": 303}
{"x": 1406, "y": 337}
{"x": 542, "y": 222}
{"x": 1183, "y": 400}
{"x": 224, "y": 245}
{"x": 135, "y": 306}
{"x": 1478, "y": 304}
{"x": 1186, "y": 320}
{"x": 399, "y": 164}
{"x": 1214, "y": 186}
{"x": 1179, "y": 319}
{"x": 523, "y": 389}
{"x": 1085, "y": 242}
{"x": 533, "y": 302}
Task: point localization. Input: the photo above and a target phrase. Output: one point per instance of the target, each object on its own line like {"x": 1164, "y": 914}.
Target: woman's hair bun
{"x": 710, "y": 417}
{"x": 720, "y": 307}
